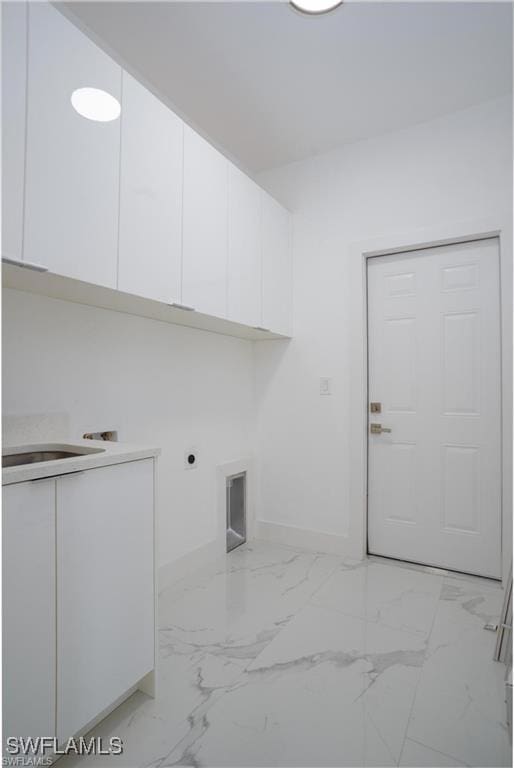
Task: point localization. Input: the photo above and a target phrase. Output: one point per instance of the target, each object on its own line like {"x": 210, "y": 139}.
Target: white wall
{"x": 158, "y": 384}
{"x": 448, "y": 170}
{"x": 176, "y": 388}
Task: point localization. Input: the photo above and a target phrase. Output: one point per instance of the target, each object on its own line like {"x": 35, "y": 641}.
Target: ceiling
{"x": 269, "y": 86}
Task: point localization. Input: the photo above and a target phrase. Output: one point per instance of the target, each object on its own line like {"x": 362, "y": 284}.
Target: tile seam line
{"x": 445, "y": 754}
{"x": 414, "y": 698}
{"x": 244, "y": 671}
{"x": 412, "y": 633}
{"x": 323, "y": 582}
{"x": 288, "y": 620}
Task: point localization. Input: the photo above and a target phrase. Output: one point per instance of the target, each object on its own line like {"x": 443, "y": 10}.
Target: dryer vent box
{"x": 236, "y": 510}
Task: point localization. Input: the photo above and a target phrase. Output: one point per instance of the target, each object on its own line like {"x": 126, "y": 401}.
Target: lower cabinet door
{"x": 105, "y": 589}
{"x": 28, "y": 627}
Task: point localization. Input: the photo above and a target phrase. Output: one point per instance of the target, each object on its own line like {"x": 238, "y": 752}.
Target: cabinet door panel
{"x": 28, "y": 621}
{"x": 244, "y": 249}
{"x": 276, "y": 267}
{"x": 14, "y": 83}
{"x": 105, "y": 602}
{"x": 204, "y": 256}
{"x": 72, "y": 173}
{"x": 150, "y": 251}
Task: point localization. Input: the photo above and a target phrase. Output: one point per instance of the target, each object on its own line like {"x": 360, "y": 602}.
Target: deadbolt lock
{"x": 375, "y": 407}
{"x": 377, "y": 429}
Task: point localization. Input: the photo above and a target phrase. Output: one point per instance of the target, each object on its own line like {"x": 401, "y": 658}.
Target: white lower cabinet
{"x": 28, "y": 620}
{"x": 78, "y": 592}
{"x": 105, "y": 607}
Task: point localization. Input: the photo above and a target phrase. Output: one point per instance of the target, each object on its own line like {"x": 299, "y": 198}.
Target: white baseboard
{"x": 193, "y": 561}
{"x": 303, "y": 538}
{"x": 184, "y": 566}
{"x": 288, "y": 535}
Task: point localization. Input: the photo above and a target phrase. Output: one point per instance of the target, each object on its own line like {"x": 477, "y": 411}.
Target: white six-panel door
{"x": 434, "y": 366}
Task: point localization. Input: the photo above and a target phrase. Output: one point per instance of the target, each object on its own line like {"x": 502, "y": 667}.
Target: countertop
{"x": 111, "y": 453}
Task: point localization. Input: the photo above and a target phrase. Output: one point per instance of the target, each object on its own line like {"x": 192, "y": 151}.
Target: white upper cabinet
{"x": 72, "y": 171}
{"x": 139, "y": 203}
{"x": 150, "y": 245}
{"x": 14, "y": 73}
{"x": 276, "y": 267}
{"x": 244, "y": 249}
{"x": 205, "y": 226}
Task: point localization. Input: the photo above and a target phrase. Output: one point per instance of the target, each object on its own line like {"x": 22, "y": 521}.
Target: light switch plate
{"x": 325, "y": 386}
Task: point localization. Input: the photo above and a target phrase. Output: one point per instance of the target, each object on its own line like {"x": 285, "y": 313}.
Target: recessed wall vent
{"x": 236, "y": 510}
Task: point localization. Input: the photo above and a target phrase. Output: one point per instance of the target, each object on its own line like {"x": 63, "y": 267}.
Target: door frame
{"x": 359, "y": 252}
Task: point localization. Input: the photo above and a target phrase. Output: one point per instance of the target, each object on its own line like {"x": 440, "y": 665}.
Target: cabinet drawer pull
{"x": 44, "y": 479}
{"x": 57, "y": 476}
{"x": 24, "y": 264}
{"x": 182, "y": 306}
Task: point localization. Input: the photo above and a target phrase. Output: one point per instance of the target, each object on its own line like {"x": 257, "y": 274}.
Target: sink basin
{"x": 45, "y": 453}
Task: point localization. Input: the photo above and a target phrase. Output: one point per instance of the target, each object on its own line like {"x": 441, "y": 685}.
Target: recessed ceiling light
{"x": 95, "y": 104}
{"x": 315, "y": 7}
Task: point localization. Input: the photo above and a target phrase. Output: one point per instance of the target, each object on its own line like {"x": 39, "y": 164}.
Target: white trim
{"x": 148, "y": 684}
{"x": 444, "y": 234}
{"x": 303, "y": 538}
{"x": 172, "y": 572}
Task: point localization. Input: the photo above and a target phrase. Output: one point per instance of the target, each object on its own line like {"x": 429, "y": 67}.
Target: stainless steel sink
{"x": 45, "y": 453}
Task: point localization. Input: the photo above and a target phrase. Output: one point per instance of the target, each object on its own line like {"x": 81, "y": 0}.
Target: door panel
{"x": 434, "y": 365}
{"x": 244, "y": 300}
{"x": 205, "y": 226}
{"x": 276, "y": 266}
{"x": 28, "y": 592}
{"x": 72, "y": 173}
{"x": 400, "y": 350}
{"x": 105, "y": 603}
{"x": 14, "y": 84}
{"x": 460, "y": 357}
{"x": 150, "y": 246}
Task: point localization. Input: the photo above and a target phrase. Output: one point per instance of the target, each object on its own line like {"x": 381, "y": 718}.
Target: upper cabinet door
{"x": 276, "y": 266}
{"x": 205, "y": 233}
{"x": 72, "y": 173}
{"x": 244, "y": 249}
{"x": 150, "y": 248}
{"x": 14, "y": 83}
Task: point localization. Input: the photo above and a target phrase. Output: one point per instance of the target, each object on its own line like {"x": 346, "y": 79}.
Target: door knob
{"x": 377, "y": 429}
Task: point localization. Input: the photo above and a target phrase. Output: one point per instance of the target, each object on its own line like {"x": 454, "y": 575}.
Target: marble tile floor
{"x": 278, "y": 657}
